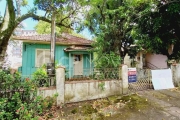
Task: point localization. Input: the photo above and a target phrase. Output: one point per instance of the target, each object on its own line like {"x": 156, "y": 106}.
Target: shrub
{"x": 17, "y": 97}
{"x": 40, "y": 77}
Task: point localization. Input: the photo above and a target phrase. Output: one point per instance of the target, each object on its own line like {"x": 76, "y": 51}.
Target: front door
{"x": 78, "y": 64}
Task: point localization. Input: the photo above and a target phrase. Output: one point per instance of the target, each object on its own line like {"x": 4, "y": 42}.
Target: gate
{"x": 143, "y": 82}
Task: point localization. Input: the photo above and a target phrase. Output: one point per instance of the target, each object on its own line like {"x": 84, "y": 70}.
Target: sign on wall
{"x": 162, "y": 79}
{"x": 132, "y": 75}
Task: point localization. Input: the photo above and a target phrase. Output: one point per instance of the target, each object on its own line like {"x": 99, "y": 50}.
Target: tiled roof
{"x": 63, "y": 39}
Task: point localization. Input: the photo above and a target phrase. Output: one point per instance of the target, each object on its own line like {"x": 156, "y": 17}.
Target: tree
{"x": 159, "y": 27}
{"x": 11, "y": 20}
{"x": 45, "y": 28}
{"x": 112, "y": 23}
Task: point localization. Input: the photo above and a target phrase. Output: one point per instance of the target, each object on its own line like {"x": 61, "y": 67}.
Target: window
{"x": 42, "y": 57}
{"x": 77, "y": 57}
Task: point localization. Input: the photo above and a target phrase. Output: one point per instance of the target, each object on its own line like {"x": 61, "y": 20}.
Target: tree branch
{"x": 68, "y": 16}
{"x": 36, "y": 17}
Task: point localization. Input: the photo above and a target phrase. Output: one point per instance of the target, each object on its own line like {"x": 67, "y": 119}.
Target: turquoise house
{"x": 70, "y": 51}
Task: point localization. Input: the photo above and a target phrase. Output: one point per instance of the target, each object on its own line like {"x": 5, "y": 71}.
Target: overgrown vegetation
{"x": 40, "y": 77}
{"x": 151, "y": 25}
{"x": 134, "y": 102}
{"x": 18, "y": 98}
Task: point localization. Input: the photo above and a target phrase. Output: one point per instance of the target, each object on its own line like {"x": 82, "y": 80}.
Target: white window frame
{"x": 36, "y": 60}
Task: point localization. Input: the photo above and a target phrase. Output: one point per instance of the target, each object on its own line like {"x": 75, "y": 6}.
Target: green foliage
{"x": 24, "y": 2}
{"x": 49, "y": 5}
{"x": 107, "y": 67}
{"x": 158, "y": 27}
{"x": 101, "y": 86}
{"x": 112, "y": 22}
{"x": 134, "y": 102}
{"x": 108, "y": 61}
{"x": 45, "y": 28}
{"x": 151, "y": 25}
{"x": 48, "y": 102}
{"x": 40, "y": 77}
{"x": 88, "y": 109}
{"x": 19, "y": 100}
{"x": 14, "y": 94}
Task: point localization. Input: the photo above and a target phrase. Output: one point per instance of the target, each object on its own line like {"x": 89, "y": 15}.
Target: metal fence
{"x": 41, "y": 81}
{"x": 143, "y": 82}
{"x": 94, "y": 74}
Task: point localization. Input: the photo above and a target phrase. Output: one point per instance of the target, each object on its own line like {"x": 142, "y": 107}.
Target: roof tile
{"x": 63, "y": 39}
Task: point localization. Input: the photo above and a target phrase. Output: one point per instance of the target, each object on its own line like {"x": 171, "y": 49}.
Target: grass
{"x": 134, "y": 102}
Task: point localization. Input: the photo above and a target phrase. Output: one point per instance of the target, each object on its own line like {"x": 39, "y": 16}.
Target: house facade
{"x": 70, "y": 51}
{"x": 13, "y": 60}
{"x": 147, "y": 60}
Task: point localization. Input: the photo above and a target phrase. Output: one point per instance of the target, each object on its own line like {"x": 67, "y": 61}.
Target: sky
{"x": 29, "y": 23}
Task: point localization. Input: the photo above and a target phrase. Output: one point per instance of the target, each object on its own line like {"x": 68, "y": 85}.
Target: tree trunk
{"x": 53, "y": 37}
{"x": 3, "y": 36}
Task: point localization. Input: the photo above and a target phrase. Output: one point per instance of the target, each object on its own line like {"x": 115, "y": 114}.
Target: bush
{"x": 110, "y": 60}
{"x": 18, "y": 98}
{"x": 40, "y": 77}
{"x": 107, "y": 66}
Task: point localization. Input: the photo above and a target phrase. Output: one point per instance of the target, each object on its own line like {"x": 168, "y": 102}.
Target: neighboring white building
{"x": 14, "y": 50}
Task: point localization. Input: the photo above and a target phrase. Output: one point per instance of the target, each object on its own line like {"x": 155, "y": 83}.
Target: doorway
{"x": 78, "y": 64}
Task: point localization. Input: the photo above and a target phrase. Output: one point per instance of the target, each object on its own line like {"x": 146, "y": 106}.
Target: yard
{"x": 144, "y": 105}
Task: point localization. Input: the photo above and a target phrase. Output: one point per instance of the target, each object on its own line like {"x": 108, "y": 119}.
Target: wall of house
{"x": 87, "y": 63}
{"x": 156, "y": 61}
{"x": 29, "y": 51}
{"x": 61, "y": 57}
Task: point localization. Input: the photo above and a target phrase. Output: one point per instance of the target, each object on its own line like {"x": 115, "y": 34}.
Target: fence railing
{"x": 41, "y": 81}
{"x": 151, "y": 66}
{"x": 94, "y": 74}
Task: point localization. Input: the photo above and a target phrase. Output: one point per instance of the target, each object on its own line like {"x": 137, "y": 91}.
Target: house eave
{"x": 48, "y": 42}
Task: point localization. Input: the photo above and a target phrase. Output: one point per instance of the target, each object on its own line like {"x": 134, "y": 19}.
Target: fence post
{"x": 175, "y": 74}
{"x": 60, "y": 84}
{"x": 124, "y": 79}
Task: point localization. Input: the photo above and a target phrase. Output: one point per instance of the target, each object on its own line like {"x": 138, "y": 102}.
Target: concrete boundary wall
{"x": 75, "y": 91}
{"x": 93, "y": 89}
{"x": 176, "y": 74}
